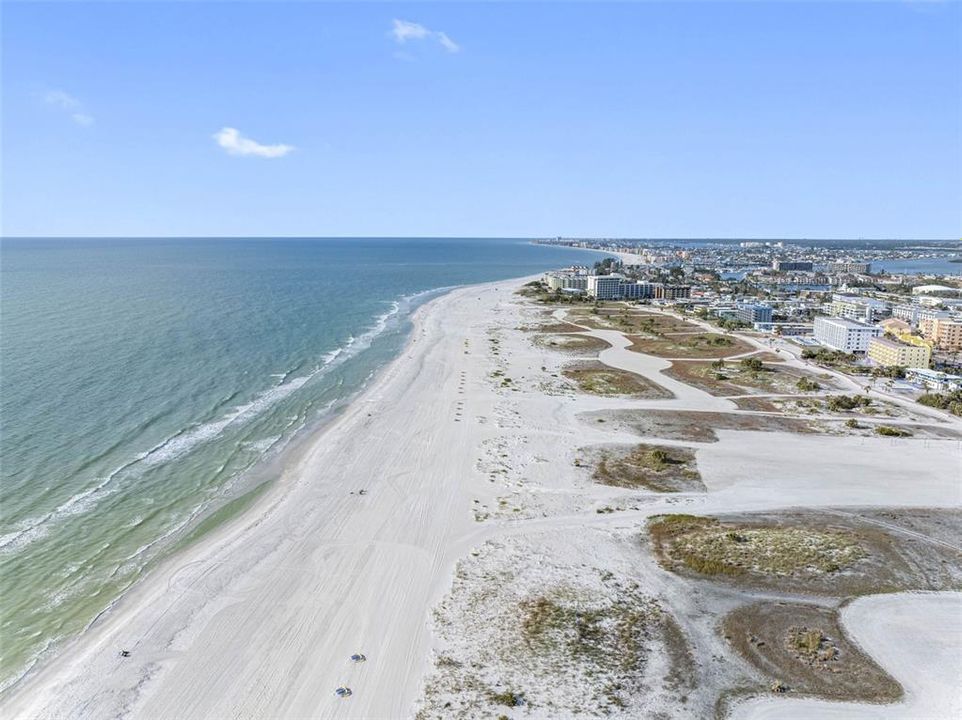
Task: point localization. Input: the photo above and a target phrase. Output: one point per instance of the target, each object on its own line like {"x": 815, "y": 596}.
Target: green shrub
{"x": 824, "y": 356}
{"x": 847, "y": 402}
{"x": 733, "y": 324}
{"x": 710, "y": 566}
{"x": 944, "y": 401}
{"x": 889, "y": 431}
{"x": 895, "y": 371}
{"x": 508, "y": 697}
{"x": 659, "y": 456}
{"x": 806, "y": 641}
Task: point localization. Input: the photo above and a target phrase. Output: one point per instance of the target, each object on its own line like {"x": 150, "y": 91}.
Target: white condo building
{"x": 572, "y": 279}
{"x": 845, "y": 335}
{"x": 605, "y": 287}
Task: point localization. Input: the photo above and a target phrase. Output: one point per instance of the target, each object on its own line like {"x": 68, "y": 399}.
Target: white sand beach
{"x": 464, "y": 449}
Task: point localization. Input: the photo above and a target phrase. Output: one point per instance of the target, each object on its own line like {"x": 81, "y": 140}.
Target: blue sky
{"x": 631, "y": 119}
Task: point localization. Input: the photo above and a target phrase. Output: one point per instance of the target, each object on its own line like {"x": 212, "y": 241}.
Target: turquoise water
{"x": 146, "y": 383}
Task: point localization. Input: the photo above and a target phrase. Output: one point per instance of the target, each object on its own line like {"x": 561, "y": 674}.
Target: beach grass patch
{"x": 697, "y": 346}
{"x": 806, "y": 384}
{"x": 804, "y": 649}
{"x": 627, "y": 320}
{"x": 609, "y": 636}
{"x": 554, "y": 328}
{"x": 749, "y": 375}
{"x": 653, "y": 467}
{"x": 889, "y": 431}
{"x": 572, "y": 344}
{"x": 598, "y": 379}
{"x": 507, "y": 697}
{"x": 709, "y": 547}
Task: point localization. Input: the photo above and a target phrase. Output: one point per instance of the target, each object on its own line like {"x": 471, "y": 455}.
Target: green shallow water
{"x": 146, "y": 383}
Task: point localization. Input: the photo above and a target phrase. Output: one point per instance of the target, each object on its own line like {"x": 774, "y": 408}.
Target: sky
{"x": 709, "y": 119}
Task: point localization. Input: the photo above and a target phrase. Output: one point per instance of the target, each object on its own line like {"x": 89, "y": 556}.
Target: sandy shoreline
{"x": 463, "y": 440}
{"x": 157, "y": 620}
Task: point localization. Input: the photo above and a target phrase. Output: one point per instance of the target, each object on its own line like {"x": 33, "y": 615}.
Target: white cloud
{"x": 404, "y": 30}
{"x": 70, "y": 105}
{"x": 61, "y": 99}
{"x": 236, "y": 144}
{"x": 447, "y": 43}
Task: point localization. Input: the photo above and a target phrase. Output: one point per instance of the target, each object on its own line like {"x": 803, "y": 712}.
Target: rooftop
{"x": 844, "y": 322}
{"x": 838, "y": 297}
{"x": 891, "y": 343}
{"x": 933, "y": 288}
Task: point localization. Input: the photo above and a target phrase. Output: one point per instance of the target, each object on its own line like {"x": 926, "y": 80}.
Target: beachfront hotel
{"x": 845, "y": 335}
{"x": 605, "y": 287}
{"x": 571, "y": 279}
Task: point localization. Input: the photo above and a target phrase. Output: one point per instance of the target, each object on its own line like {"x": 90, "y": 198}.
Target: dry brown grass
{"x": 612, "y": 638}
{"x": 629, "y": 321}
{"x": 812, "y": 552}
{"x": 805, "y": 648}
{"x": 736, "y": 379}
{"x": 709, "y": 547}
{"x": 757, "y": 404}
{"x": 769, "y": 357}
{"x": 564, "y": 649}
{"x": 694, "y": 426}
{"x": 599, "y": 379}
{"x": 552, "y": 327}
{"x": 702, "y": 345}
{"x": 654, "y": 467}
{"x": 572, "y": 344}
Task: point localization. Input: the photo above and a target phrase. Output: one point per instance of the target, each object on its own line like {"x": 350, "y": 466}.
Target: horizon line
{"x": 474, "y": 237}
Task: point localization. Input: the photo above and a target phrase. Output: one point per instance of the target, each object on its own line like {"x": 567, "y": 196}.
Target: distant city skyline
{"x": 773, "y": 121}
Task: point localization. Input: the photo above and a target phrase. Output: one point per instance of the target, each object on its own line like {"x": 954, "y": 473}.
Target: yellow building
{"x": 889, "y": 353}
{"x": 910, "y": 339}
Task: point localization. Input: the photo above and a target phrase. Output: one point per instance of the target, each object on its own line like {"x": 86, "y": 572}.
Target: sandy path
{"x": 651, "y": 367}
{"x": 761, "y": 469}
{"x": 686, "y": 396}
{"x": 903, "y": 632}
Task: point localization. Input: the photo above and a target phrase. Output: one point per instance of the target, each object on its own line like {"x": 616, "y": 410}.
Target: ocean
{"x": 149, "y": 387}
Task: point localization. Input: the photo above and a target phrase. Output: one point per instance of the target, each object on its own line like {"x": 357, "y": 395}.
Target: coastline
{"x": 628, "y": 258}
{"x": 250, "y": 485}
{"x": 468, "y": 456}
{"x": 73, "y": 670}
